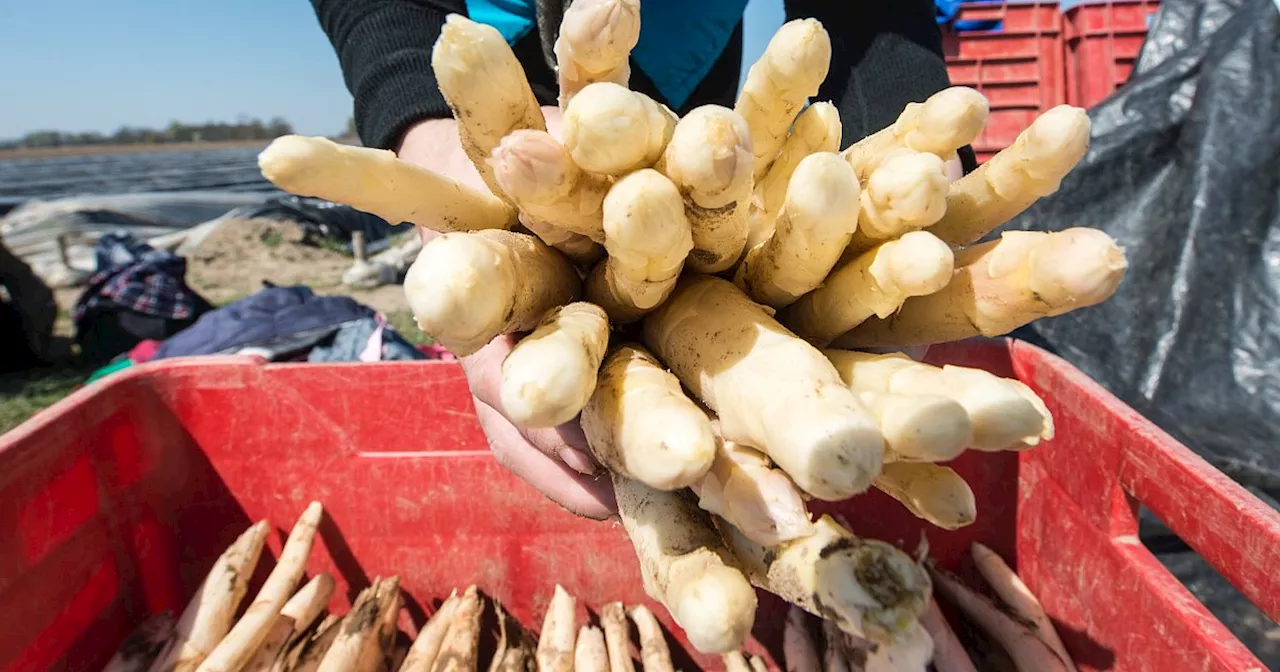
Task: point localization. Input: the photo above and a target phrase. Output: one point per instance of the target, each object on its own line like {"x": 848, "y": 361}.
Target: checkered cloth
{"x": 143, "y": 279}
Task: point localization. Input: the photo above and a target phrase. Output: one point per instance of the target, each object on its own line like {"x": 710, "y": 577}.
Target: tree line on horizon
{"x": 175, "y": 132}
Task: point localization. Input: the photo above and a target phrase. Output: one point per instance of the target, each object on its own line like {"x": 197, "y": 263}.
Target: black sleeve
{"x": 384, "y": 49}
{"x": 884, "y": 54}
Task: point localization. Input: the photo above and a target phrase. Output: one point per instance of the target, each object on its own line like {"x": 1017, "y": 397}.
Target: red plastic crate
{"x": 1017, "y": 66}
{"x": 1103, "y": 39}
{"x": 115, "y": 502}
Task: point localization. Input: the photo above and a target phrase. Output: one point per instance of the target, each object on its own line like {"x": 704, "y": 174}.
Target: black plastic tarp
{"x": 1184, "y": 171}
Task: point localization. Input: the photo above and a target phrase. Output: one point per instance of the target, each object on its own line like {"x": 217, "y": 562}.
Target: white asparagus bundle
{"x": 595, "y": 43}
{"x": 209, "y": 615}
{"x": 375, "y": 181}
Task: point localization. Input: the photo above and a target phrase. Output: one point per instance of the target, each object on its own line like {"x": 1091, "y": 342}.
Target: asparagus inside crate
{"x": 873, "y": 607}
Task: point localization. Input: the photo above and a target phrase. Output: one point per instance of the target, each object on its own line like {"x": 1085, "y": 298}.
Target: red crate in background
{"x": 1103, "y": 39}
{"x": 1017, "y": 66}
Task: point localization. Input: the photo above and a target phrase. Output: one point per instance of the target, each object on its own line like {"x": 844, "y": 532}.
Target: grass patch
{"x": 272, "y": 238}
{"x": 402, "y": 321}
{"x": 24, "y": 394}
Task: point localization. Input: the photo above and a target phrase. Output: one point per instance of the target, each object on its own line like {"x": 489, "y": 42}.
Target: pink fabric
{"x": 436, "y": 351}
{"x": 144, "y": 351}
{"x": 373, "y": 349}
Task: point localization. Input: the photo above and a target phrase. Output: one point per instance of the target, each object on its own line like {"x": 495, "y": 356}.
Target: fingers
{"x": 566, "y": 443}
{"x": 953, "y": 169}
{"x": 587, "y": 496}
{"x": 554, "y": 121}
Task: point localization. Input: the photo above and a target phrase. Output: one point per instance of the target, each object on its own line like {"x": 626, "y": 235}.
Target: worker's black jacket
{"x": 885, "y": 53}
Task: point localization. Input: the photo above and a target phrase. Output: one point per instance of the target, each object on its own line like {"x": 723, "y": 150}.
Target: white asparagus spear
{"x": 590, "y": 654}
{"x": 246, "y": 636}
{"x": 1015, "y": 593}
{"x": 556, "y": 645}
{"x": 425, "y": 649}
{"x": 595, "y": 43}
{"x": 655, "y": 656}
{"x": 211, "y": 611}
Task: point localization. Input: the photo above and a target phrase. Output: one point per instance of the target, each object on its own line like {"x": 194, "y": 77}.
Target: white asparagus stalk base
{"x": 465, "y": 289}
{"x": 685, "y": 566}
{"x": 867, "y": 587}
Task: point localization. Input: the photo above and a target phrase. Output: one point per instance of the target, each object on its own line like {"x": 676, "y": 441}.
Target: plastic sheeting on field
{"x": 1184, "y": 171}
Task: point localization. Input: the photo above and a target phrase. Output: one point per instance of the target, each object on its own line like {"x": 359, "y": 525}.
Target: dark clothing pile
{"x": 292, "y": 323}
{"x": 137, "y": 293}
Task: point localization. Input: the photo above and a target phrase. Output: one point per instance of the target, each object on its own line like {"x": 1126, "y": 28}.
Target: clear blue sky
{"x": 94, "y": 65}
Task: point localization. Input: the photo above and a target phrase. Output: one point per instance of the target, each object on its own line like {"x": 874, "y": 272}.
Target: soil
{"x": 235, "y": 259}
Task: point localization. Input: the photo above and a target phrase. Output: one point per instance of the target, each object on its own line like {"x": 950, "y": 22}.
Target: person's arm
{"x": 384, "y": 50}
{"x": 883, "y": 56}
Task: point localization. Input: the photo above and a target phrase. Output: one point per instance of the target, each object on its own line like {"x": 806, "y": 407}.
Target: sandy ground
{"x": 239, "y": 255}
